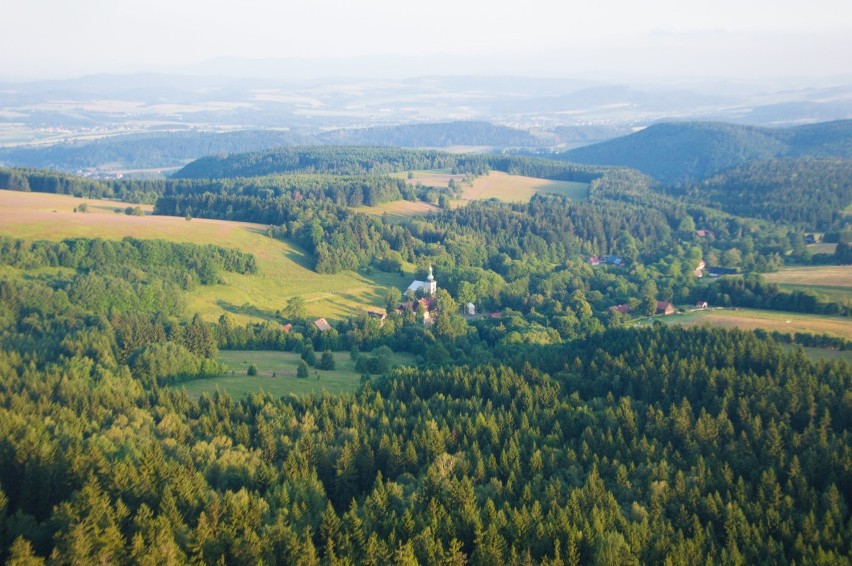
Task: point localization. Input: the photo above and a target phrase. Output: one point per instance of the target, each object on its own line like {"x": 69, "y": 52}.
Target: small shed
{"x": 471, "y": 309}
{"x": 701, "y": 305}
{"x": 322, "y": 324}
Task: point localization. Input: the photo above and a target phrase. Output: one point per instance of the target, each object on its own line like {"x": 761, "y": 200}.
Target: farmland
{"x": 283, "y": 268}
{"x": 751, "y": 319}
{"x": 399, "y": 210}
{"x": 833, "y": 281}
{"x": 343, "y": 379}
{"x": 502, "y": 186}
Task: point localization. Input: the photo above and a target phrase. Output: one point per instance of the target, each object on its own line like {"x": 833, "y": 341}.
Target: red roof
{"x": 620, "y": 308}
{"x": 322, "y": 324}
{"x": 287, "y": 327}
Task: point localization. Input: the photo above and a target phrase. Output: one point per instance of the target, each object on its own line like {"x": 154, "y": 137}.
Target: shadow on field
{"x": 248, "y": 310}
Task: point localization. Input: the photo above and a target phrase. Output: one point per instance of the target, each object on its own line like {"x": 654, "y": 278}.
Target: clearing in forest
{"x": 237, "y": 383}
{"x": 499, "y": 185}
{"x": 283, "y": 268}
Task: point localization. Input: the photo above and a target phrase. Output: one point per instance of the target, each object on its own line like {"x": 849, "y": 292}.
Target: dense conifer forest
{"x": 549, "y": 433}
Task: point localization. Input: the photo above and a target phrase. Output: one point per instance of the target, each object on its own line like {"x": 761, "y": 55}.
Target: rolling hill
{"x": 678, "y": 152}
{"x": 465, "y": 133}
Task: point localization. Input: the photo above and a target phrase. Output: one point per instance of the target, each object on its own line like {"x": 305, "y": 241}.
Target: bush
{"x": 309, "y": 356}
{"x": 252, "y": 370}
{"x": 327, "y": 361}
{"x": 303, "y": 369}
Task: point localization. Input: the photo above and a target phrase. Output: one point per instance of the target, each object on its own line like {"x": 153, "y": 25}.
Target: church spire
{"x": 430, "y": 277}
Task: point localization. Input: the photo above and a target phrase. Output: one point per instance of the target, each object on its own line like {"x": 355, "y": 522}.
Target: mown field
{"x": 751, "y": 319}
{"x": 237, "y": 383}
{"x": 499, "y": 185}
{"x": 514, "y": 188}
{"x": 398, "y": 211}
{"x": 833, "y": 281}
{"x": 283, "y": 268}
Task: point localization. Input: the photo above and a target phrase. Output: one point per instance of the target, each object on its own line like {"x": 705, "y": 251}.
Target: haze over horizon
{"x": 760, "y": 40}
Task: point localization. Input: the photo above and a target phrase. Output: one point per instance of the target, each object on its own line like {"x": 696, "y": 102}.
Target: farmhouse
{"x": 322, "y": 324}
{"x": 704, "y": 233}
{"x": 665, "y": 308}
{"x": 608, "y": 260}
{"x": 287, "y": 328}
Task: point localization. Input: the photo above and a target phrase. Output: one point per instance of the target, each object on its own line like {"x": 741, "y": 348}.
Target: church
{"x": 428, "y": 287}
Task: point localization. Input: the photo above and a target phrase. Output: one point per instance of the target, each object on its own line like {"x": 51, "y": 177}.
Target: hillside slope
{"x": 676, "y": 152}
{"x": 447, "y": 134}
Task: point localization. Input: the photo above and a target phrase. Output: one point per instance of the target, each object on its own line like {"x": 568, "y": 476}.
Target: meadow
{"x": 398, "y": 210}
{"x": 833, "y": 281}
{"x": 276, "y": 374}
{"x": 751, "y": 319}
{"x": 283, "y": 268}
{"x": 499, "y": 185}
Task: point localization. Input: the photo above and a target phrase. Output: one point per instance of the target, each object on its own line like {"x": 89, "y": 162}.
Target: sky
{"x": 657, "y": 38}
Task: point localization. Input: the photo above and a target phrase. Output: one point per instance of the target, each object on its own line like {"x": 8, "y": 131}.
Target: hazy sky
{"x": 740, "y": 38}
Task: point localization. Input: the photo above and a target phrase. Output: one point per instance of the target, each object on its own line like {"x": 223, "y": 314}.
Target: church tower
{"x": 431, "y": 284}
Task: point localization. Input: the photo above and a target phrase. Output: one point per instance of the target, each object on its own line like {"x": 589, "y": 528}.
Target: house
{"x": 594, "y": 260}
{"x": 428, "y": 303}
{"x": 704, "y": 233}
{"x": 322, "y": 324}
{"x": 287, "y": 328}
{"x": 665, "y": 308}
{"x": 811, "y": 239}
{"x": 623, "y": 309}
{"x": 701, "y": 305}
{"x": 720, "y": 271}
{"x": 471, "y": 309}
{"x": 614, "y": 260}
{"x": 497, "y": 314}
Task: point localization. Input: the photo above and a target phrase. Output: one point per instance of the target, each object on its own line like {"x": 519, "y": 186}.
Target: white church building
{"x": 428, "y": 287}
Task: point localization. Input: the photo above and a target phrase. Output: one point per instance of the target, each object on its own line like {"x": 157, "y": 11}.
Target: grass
{"x": 819, "y": 354}
{"x": 822, "y": 248}
{"x": 343, "y": 379}
{"x": 515, "y": 188}
{"x": 499, "y": 185}
{"x": 751, "y": 319}
{"x": 822, "y": 275}
{"x": 832, "y": 281}
{"x": 283, "y": 268}
{"x": 398, "y": 211}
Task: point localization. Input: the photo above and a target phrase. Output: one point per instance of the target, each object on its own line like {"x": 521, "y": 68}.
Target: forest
{"x": 549, "y": 433}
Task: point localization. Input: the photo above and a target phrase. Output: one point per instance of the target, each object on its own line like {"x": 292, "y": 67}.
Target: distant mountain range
{"x": 688, "y": 151}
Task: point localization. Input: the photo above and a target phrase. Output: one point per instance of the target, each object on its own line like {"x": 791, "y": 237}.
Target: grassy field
{"x": 818, "y": 354}
{"x": 751, "y": 319}
{"x": 342, "y": 379}
{"x": 283, "y": 268}
{"x": 514, "y": 188}
{"x": 833, "y": 281}
{"x": 499, "y": 185}
{"x": 822, "y": 248}
{"x": 398, "y": 211}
